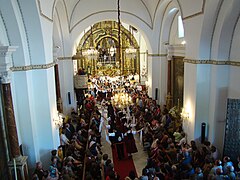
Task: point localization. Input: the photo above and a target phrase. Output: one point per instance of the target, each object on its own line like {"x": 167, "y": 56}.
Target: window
{"x": 180, "y": 27}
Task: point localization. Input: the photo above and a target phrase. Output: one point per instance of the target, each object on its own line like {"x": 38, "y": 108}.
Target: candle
{"x": 15, "y": 168}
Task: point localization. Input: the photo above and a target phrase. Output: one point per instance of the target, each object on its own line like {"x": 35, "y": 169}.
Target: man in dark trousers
{"x": 118, "y": 140}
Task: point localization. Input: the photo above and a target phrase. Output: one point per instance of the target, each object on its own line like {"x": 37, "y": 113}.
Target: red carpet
{"x": 124, "y": 166}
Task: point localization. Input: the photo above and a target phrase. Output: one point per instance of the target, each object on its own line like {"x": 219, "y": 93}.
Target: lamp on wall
{"x": 184, "y": 114}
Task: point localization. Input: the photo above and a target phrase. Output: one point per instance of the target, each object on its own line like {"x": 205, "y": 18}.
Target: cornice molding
{"x": 33, "y": 67}
{"x": 65, "y": 58}
{"x": 157, "y": 55}
{"x": 214, "y": 62}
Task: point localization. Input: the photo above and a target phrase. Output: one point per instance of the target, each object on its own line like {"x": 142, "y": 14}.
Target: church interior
{"x": 123, "y": 67}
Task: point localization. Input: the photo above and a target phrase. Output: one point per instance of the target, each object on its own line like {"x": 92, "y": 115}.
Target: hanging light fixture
{"x": 130, "y": 51}
{"x": 119, "y": 39}
{"x": 91, "y": 52}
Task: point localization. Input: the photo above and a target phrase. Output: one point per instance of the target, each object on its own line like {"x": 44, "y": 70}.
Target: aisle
{"x": 124, "y": 166}
{"x": 139, "y": 159}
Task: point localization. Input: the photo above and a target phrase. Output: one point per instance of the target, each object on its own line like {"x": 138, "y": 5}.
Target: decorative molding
{"x": 196, "y": 14}
{"x": 33, "y": 67}
{"x": 214, "y": 62}
{"x": 6, "y": 77}
{"x": 6, "y": 63}
{"x": 65, "y": 58}
{"x": 176, "y": 50}
{"x": 157, "y": 55}
{"x": 41, "y": 12}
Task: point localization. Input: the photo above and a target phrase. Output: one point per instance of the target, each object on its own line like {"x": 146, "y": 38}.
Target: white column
{"x": 35, "y": 104}
{"x": 66, "y": 73}
{"x": 157, "y": 77}
{"x": 196, "y": 98}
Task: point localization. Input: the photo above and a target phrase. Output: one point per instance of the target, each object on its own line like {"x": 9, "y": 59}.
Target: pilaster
{"x": 16, "y": 160}
{"x": 66, "y": 71}
{"x": 5, "y": 74}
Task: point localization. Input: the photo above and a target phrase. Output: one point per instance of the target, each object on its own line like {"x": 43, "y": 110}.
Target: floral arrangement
{"x": 174, "y": 111}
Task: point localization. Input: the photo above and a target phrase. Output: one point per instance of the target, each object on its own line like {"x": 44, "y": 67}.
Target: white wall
{"x": 218, "y": 105}
{"x": 3, "y": 34}
{"x": 45, "y": 106}
{"x": 189, "y": 101}
{"x": 203, "y": 95}
{"x": 25, "y": 114}
{"x": 234, "y": 82}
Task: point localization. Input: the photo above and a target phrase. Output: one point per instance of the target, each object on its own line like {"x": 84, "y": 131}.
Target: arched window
{"x": 180, "y": 27}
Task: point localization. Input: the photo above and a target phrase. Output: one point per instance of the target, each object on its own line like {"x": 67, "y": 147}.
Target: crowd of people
{"x": 170, "y": 154}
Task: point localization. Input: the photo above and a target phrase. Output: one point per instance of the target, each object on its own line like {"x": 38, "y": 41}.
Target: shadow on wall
{"x": 45, "y": 158}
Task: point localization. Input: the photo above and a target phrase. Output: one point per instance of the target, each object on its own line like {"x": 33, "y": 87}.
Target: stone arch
{"x": 224, "y": 31}
{"x": 61, "y": 26}
{"x": 165, "y": 16}
{"x": 168, "y": 19}
{"x": 15, "y": 32}
{"x": 142, "y": 28}
{"x": 235, "y": 46}
{"x": 39, "y": 53}
{"x": 210, "y": 16}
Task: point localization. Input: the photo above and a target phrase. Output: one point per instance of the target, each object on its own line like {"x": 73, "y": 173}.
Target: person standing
{"x": 64, "y": 142}
{"x": 119, "y": 144}
{"x": 130, "y": 143}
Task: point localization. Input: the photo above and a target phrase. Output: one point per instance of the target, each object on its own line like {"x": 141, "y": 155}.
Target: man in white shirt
{"x": 64, "y": 142}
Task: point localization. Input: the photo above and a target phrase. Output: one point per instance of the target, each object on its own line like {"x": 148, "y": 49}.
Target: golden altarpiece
{"x": 99, "y": 54}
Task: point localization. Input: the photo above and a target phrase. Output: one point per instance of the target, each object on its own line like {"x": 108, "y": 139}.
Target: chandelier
{"x": 121, "y": 100}
{"x": 91, "y": 52}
